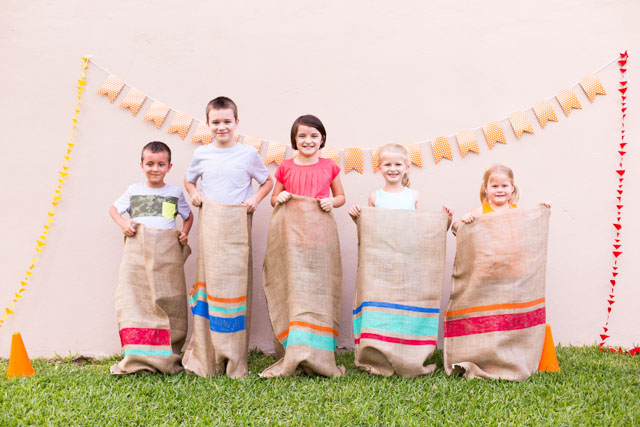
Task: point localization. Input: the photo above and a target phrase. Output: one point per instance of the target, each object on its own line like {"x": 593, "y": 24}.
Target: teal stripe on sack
{"x": 135, "y": 352}
{"x": 195, "y": 297}
{"x": 396, "y": 323}
{"x": 310, "y": 339}
{"x": 227, "y": 310}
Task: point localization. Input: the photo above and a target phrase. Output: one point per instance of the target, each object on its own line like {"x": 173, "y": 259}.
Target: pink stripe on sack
{"x": 145, "y": 336}
{"x": 393, "y": 339}
{"x": 497, "y": 322}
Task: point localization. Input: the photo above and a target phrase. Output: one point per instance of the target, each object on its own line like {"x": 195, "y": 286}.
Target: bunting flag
{"x": 202, "y": 134}
{"x": 375, "y": 162}
{"x": 331, "y": 153}
{"x": 520, "y": 123}
{"x": 157, "y": 113}
{"x": 441, "y": 149}
{"x": 133, "y": 100}
{"x": 275, "y": 153}
{"x": 56, "y": 197}
{"x": 252, "y": 141}
{"x": 414, "y": 153}
{"x": 467, "y": 142}
{"x": 181, "y": 123}
{"x": 493, "y": 133}
{"x": 111, "y": 87}
{"x": 568, "y": 100}
{"x": 353, "y": 160}
{"x": 592, "y": 87}
{"x": 544, "y": 113}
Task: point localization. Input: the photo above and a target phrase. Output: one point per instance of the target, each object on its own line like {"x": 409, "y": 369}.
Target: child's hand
{"x": 251, "y": 203}
{"x": 354, "y": 211}
{"x": 196, "y": 198}
{"x": 183, "y": 238}
{"x": 129, "y": 228}
{"x": 283, "y": 197}
{"x": 449, "y": 211}
{"x": 468, "y": 218}
{"x": 326, "y": 204}
{"x": 546, "y": 204}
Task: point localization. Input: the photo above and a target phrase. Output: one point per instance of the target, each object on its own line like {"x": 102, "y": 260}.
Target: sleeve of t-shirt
{"x": 259, "y": 171}
{"x": 278, "y": 175}
{"x": 124, "y": 202}
{"x": 195, "y": 168}
{"x": 183, "y": 207}
{"x": 335, "y": 170}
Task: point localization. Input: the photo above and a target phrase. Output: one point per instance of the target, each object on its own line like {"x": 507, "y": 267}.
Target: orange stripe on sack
{"x": 494, "y": 307}
{"x": 286, "y": 332}
{"x": 228, "y": 300}
{"x": 196, "y": 286}
{"x": 307, "y": 325}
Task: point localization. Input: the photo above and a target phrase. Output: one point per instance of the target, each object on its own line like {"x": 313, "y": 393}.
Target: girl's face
{"x": 499, "y": 189}
{"x": 393, "y": 167}
{"x": 308, "y": 140}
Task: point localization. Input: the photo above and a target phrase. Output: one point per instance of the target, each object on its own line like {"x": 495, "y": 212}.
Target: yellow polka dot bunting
{"x": 202, "y": 134}
{"x": 467, "y": 142}
{"x": 520, "y": 123}
{"x": 493, "y": 133}
{"x": 414, "y": 153}
{"x": 375, "y": 154}
{"x": 592, "y": 87}
{"x": 331, "y": 153}
{"x": 180, "y": 124}
{"x": 353, "y": 160}
{"x": 252, "y": 141}
{"x": 544, "y": 112}
{"x": 275, "y": 153}
{"x": 441, "y": 149}
{"x": 157, "y": 113}
{"x": 568, "y": 100}
{"x": 111, "y": 87}
{"x": 133, "y": 100}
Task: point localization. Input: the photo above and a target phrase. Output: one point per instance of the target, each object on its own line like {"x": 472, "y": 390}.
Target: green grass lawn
{"x": 594, "y": 388}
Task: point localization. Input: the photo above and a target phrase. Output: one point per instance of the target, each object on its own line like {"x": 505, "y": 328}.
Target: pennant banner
{"x": 331, "y": 153}
{"x": 133, "y": 100}
{"x": 181, "y": 123}
{"x": 253, "y": 142}
{"x": 275, "y": 153}
{"x": 202, "y": 134}
{"x": 493, "y": 133}
{"x": 520, "y": 123}
{"x": 441, "y": 149}
{"x": 111, "y": 87}
{"x": 414, "y": 153}
{"x": 467, "y": 142}
{"x": 567, "y": 99}
{"x": 544, "y": 113}
{"x": 592, "y": 87}
{"x": 353, "y": 160}
{"x": 157, "y": 113}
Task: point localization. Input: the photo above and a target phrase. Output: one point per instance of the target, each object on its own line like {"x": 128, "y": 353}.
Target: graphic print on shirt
{"x": 152, "y": 205}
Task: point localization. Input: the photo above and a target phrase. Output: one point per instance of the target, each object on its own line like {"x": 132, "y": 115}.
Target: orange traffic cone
{"x": 548, "y": 360}
{"x": 19, "y": 363}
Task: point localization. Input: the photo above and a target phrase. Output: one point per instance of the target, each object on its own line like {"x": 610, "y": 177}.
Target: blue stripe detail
{"x": 298, "y": 337}
{"x": 135, "y": 352}
{"x": 227, "y": 310}
{"x": 396, "y": 323}
{"x": 201, "y": 309}
{"x": 396, "y": 306}
{"x": 227, "y": 325}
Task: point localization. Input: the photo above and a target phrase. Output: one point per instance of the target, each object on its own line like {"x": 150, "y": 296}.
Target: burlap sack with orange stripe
{"x": 495, "y": 321}
{"x": 303, "y": 285}
{"x": 396, "y": 306}
{"x": 151, "y": 302}
{"x": 221, "y": 297}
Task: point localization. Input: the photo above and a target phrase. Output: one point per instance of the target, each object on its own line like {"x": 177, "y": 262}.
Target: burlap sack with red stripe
{"x": 495, "y": 322}
{"x": 221, "y": 298}
{"x": 151, "y": 302}
{"x": 401, "y": 258}
{"x": 303, "y": 285}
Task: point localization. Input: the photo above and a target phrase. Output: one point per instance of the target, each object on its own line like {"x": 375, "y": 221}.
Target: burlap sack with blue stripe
{"x": 495, "y": 322}
{"x": 401, "y": 258}
{"x": 151, "y": 302}
{"x": 220, "y": 299}
{"x": 303, "y": 286}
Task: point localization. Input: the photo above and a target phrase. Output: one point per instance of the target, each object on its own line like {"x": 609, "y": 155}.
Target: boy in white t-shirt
{"x": 151, "y": 300}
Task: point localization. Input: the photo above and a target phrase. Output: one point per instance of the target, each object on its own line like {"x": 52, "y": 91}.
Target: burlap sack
{"x": 303, "y": 284}
{"x": 495, "y": 321}
{"x": 151, "y": 302}
{"x": 401, "y": 256}
{"x": 221, "y": 297}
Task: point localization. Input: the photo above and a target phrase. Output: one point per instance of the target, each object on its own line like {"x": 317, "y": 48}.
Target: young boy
{"x": 151, "y": 300}
{"x": 221, "y": 297}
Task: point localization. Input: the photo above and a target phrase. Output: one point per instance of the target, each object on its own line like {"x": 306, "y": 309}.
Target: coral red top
{"x": 308, "y": 180}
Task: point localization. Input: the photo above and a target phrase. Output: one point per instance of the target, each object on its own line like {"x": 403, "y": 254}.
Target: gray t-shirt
{"x": 225, "y": 173}
{"x": 153, "y": 207}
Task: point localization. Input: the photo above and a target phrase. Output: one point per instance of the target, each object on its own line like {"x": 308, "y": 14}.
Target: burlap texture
{"x": 151, "y": 302}
{"x": 495, "y": 321}
{"x": 303, "y": 285}
{"x": 401, "y": 258}
{"x": 221, "y": 297}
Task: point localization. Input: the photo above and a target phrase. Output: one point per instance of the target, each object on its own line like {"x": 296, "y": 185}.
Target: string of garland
{"x": 41, "y": 242}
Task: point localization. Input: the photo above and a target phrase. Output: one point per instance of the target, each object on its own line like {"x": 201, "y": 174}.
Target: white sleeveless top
{"x": 403, "y": 200}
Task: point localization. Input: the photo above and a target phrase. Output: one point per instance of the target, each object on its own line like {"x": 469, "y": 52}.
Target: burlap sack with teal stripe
{"x": 151, "y": 302}
{"x": 303, "y": 285}
{"x": 401, "y": 257}
{"x": 220, "y": 299}
{"x": 494, "y": 325}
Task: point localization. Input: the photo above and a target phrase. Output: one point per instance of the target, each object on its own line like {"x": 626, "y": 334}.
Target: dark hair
{"x": 156, "y": 147}
{"x": 311, "y": 121}
{"x": 221, "y": 103}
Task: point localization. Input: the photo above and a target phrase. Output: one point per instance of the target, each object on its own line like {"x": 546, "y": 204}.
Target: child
{"x": 393, "y": 161}
{"x": 151, "y": 294}
{"x": 302, "y": 267}
{"x": 221, "y": 297}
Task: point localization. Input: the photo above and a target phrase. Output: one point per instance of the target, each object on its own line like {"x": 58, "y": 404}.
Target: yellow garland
{"x": 57, "y": 196}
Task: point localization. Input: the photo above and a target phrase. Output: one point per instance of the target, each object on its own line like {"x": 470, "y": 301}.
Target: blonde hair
{"x": 495, "y": 169}
{"x": 396, "y": 149}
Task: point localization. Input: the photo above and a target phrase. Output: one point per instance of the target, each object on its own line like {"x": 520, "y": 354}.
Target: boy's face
{"x": 155, "y": 166}
{"x": 223, "y": 126}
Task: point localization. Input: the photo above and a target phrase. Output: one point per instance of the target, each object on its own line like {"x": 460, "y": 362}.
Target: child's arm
{"x": 194, "y": 193}
{"x": 416, "y": 199}
{"x": 449, "y": 212}
{"x": 338, "y": 198}
{"x": 467, "y": 219}
{"x": 279, "y": 195}
{"x": 186, "y": 227}
{"x": 252, "y": 202}
{"x": 354, "y": 211}
{"x": 127, "y": 226}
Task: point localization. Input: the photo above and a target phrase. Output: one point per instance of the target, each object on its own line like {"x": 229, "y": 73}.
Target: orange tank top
{"x": 486, "y": 208}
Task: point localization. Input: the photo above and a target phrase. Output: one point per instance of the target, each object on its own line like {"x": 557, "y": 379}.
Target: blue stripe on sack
{"x": 297, "y": 337}
{"x": 396, "y": 323}
{"x": 227, "y": 310}
{"x": 201, "y": 309}
{"x": 227, "y": 325}
{"x": 135, "y": 352}
{"x": 396, "y": 306}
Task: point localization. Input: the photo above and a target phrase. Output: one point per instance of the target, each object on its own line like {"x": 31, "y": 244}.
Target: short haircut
{"x": 156, "y": 147}
{"x": 311, "y": 121}
{"x": 221, "y": 103}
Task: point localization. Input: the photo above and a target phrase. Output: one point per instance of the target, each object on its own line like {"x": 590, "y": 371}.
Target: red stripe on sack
{"x": 495, "y": 323}
{"x": 145, "y": 336}
{"x": 394, "y": 340}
